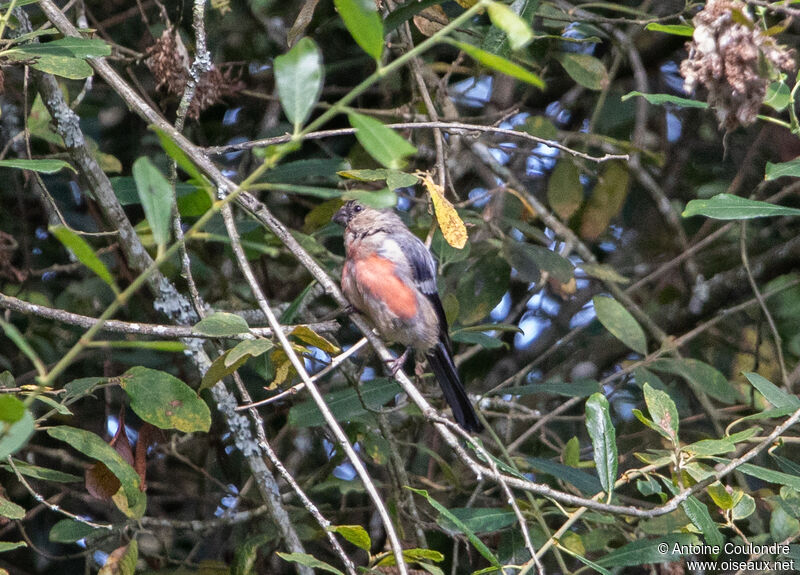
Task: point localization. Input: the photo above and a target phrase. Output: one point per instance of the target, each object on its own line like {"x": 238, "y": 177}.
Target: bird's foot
{"x": 394, "y": 365}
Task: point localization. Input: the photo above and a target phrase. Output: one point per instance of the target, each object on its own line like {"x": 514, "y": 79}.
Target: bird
{"x": 389, "y": 275}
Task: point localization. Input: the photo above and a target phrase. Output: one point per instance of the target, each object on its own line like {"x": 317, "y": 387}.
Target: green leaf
{"x": 232, "y": 360}
{"x": 583, "y": 388}
{"x": 701, "y": 518}
{"x": 14, "y": 436}
{"x": 308, "y": 560}
{"x": 37, "y": 472}
{"x": 155, "y": 194}
{"x": 70, "y": 531}
{"x": 477, "y": 338}
{"x": 663, "y": 411}
{"x": 701, "y": 376}
{"x": 719, "y": 494}
{"x": 221, "y": 324}
{"x": 674, "y": 29}
{"x": 778, "y": 96}
{"x": 744, "y": 508}
{"x": 63, "y": 57}
{"x": 709, "y": 447}
{"x": 730, "y": 207}
{"x": 622, "y": 325}
{"x": 772, "y": 393}
{"x": 585, "y": 69}
{"x": 41, "y": 166}
{"x": 165, "y": 401}
{"x": 645, "y": 551}
{"x": 603, "y": 272}
{"x": 606, "y": 200}
{"x": 585, "y": 482}
{"x": 82, "y": 386}
{"x": 518, "y": 31}
{"x": 345, "y": 404}
{"x": 604, "y": 439}
{"x": 378, "y": 199}
{"x": 175, "y": 152}
{"x": 355, "y": 534}
{"x": 661, "y": 99}
{"x": 445, "y": 513}
{"x": 84, "y": 253}
{"x": 10, "y": 509}
{"x": 564, "y": 189}
{"x": 394, "y": 178}
{"x": 11, "y": 409}
{"x": 298, "y": 77}
{"x": 362, "y": 20}
{"x": 11, "y": 545}
{"x": 775, "y": 171}
{"x": 480, "y": 519}
{"x": 770, "y": 475}
{"x": 498, "y": 63}
{"x": 382, "y": 143}
{"x": 529, "y": 259}
{"x": 416, "y": 555}
{"x": 94, "y": 447}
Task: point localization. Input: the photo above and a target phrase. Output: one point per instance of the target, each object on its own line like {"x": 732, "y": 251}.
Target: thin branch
{"x": 452, "y": 127}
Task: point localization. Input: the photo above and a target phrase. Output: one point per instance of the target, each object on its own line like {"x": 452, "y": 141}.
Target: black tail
{"x": 443, "y": 368}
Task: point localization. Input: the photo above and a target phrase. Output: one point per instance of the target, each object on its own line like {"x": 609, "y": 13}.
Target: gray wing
{"x": 420, "y": 259}
{"x": 423, "y": 269}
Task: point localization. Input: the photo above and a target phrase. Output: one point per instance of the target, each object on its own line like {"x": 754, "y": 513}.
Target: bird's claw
{"x": 394, "y": 365}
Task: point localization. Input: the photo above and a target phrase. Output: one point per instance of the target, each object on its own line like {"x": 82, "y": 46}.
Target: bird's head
{"x": 348, "y": 212}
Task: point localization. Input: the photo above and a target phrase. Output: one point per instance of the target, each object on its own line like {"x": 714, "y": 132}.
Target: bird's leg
{"x": 394, "y": 365}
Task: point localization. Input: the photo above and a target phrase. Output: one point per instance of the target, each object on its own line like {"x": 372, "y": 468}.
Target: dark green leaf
{"x": 355, "y": 534}
{"x": 10, "y": 509}
{"x": 730, "y": 207}
{"x": 646, "y": 551}
{"x": 155, "y": 194}
{"x": 11, "y": 409}
{"x": 84, "y": 253}
{"x": 308, "y": 561}
{"x": 345, "y": 403}
{"x": 517, "y": 31}
{"x": 701, "y": 518}
{"x": 604, "y": 439}
{"x": 70, "y": 531}
{"x": 583, "y": 388}
{"x": 479, "y": 545}
{"x": 41, "y": 166}
{"x": 529, "y": 260}
{"x": 298, "y": 77}
{"x": 175, "y": 152}
{"x": 481, "y": 520}
{"x": 622, "y": 325}
{"x": 674, "y": 29}
{"x": 564, "y": 189}
{"x": 773, "y": 394}
{"x": 586, "y": 483}
{"x": 770, "y": 475}
{"x": 702, "y": 376}
{"x": 37, "y": 472}
{"x": 14, "y": 436}
{"x": 364, "y": 24}
{"x": 93, "y": 446}
{"x": 499, "y": 64}
{"x": 165, "y": 401}
{"x": 221, "y": 324}
{"x": 661, "y": 99}
{"x": 585, "y": 69}
{"x": 382, "y": 143}
{"x": 663, "y": 411}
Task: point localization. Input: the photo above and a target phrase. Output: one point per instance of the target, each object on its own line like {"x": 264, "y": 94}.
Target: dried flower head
{"x": 733, "y": 59}
{"x": 169, "y": 62}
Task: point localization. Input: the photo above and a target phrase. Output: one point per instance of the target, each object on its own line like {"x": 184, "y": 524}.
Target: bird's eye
{"x": 357, "y": 208}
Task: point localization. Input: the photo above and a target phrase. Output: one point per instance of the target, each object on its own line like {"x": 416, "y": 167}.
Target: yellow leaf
{"x": 309, "y": 336}
{"x": 453, "y": 229}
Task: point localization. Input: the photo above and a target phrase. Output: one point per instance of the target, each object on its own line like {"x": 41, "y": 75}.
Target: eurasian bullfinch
{"x": 390, "y": 276}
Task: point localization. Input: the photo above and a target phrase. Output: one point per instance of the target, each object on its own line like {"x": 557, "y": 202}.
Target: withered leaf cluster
{"x": 732, "y": 58}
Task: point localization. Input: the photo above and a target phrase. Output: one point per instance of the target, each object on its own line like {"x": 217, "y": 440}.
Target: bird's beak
{"x": 340, "y": 217}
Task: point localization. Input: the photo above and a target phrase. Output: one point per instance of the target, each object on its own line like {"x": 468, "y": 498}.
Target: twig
{"x": 286, "y": 345}
{"x": 454, "y": 127}
{"x": 776, "y": 336}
